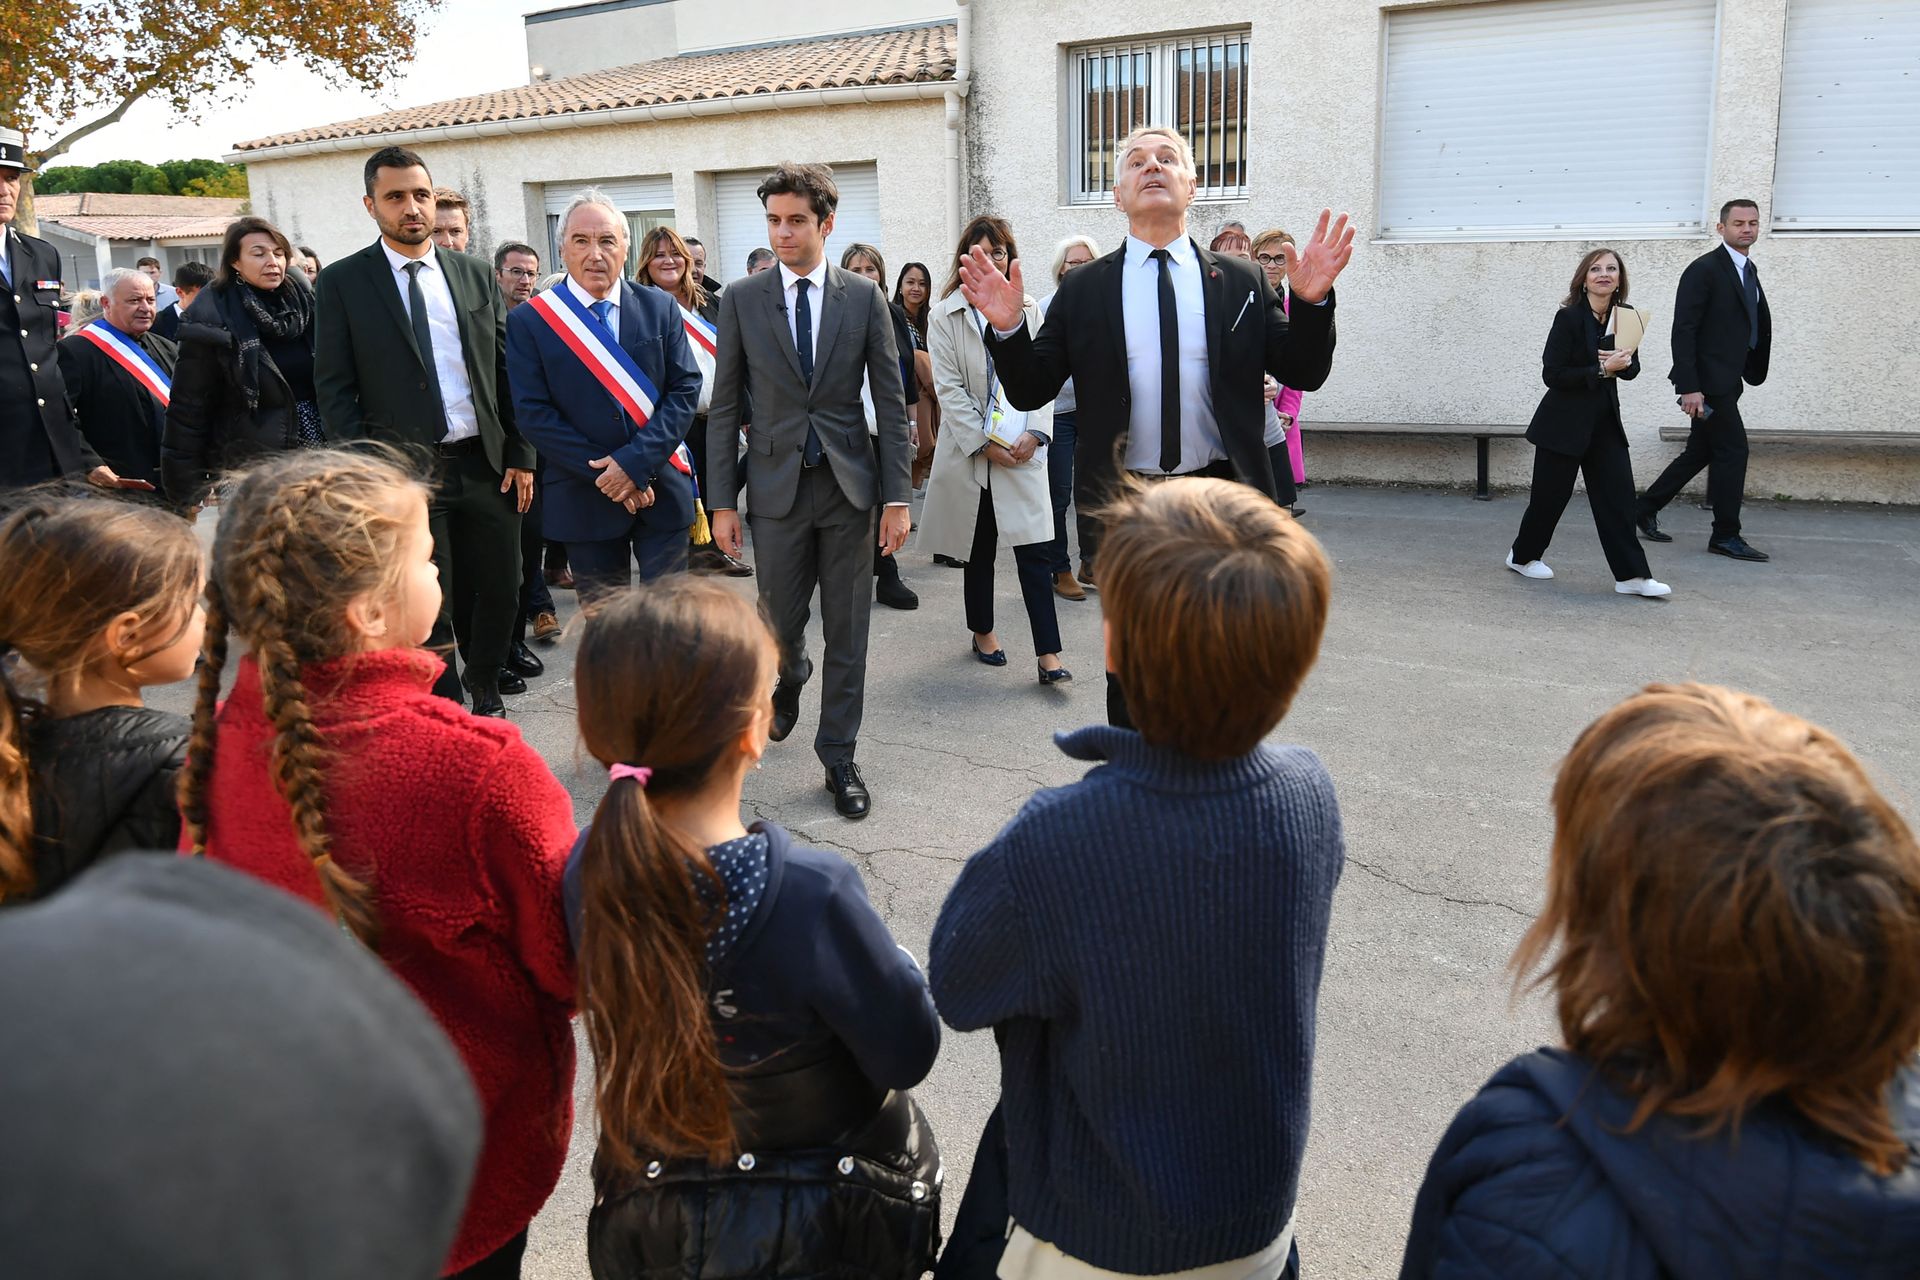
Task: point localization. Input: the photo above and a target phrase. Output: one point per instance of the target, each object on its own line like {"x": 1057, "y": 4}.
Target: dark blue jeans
{"x": 1060, "y": 487}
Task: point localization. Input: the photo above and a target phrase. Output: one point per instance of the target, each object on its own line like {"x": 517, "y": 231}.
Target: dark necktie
{"x": 1169, "y": 366}
{"x": 423, "y": 339}
{"x": 1752, "y": 285}
{"x": 803, "y": 345}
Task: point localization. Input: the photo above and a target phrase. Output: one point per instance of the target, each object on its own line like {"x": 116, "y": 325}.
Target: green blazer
{"x": 369, "y": 374}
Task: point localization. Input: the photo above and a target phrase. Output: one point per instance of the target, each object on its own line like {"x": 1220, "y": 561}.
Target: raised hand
{"x": 1313, "y": 267}
{"x": 993, "y": 295}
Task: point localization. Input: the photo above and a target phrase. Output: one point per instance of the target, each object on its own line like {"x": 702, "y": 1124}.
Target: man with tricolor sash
{"x": 605, "y": 385}
{"x": 119, "y": 375}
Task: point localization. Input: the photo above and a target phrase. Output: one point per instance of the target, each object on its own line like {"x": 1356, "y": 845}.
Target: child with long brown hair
{"x": 98, "y": 600}
{"x": 437, "y": 837}
{"x": 1732, "y": 937}
{"x": 754, "y": 1025}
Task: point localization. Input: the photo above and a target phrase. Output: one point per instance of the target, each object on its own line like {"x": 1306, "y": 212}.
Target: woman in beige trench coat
{"x": 981, "y": 492}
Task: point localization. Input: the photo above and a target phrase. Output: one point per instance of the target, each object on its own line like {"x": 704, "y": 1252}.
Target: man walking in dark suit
{"x": 410, "y": 348}
{"x": 604, "y": 386}
{"x": 1194, "y": 332}
{"x": 1722, "y": 335}
{"x": 804, "y": 336}
{"x": 119, "y": 376}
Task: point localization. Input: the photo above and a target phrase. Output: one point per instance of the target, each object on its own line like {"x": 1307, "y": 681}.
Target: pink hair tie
{"x": 639, "y": 773}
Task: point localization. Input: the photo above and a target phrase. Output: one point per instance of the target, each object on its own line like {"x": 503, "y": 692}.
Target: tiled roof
{"x": 914, "y": 55}
{"x": 132, "y": 217}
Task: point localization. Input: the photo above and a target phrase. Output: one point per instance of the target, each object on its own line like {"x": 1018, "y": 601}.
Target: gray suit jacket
{"x": 756, "y": 348}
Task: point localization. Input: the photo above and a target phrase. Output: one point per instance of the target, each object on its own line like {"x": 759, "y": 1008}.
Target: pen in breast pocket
{"x": 1243, "y": 312}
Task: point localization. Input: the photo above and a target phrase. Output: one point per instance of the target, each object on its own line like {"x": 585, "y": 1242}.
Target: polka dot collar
{"x": 742, "y": 865}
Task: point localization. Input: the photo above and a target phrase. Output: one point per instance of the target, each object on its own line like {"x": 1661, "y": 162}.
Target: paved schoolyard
{"x": 1446, "y": 691}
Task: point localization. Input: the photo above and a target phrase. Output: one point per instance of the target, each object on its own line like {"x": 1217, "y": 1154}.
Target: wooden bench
{"x": 1678, "y": 433}
{"x": 1480, "y": 433}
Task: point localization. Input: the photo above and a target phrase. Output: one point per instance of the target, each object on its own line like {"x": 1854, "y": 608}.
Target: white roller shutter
{"x": 646, "y": 202}
{"x": 1547, "y": 118}
{"x": 743, "y": 221}
{"x": 1849, "y": 153}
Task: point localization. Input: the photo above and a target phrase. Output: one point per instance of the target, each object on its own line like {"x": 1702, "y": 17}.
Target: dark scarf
{"x": 254, "y": 314}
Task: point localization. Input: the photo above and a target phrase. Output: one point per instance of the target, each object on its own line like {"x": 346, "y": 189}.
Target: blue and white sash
{"x": 604, "y": 358}
{"x": 132, "y": 357}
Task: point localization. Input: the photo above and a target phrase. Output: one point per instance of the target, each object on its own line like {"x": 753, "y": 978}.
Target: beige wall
{"x": 317, "y": 199}
{"x": 1452, "y": 332}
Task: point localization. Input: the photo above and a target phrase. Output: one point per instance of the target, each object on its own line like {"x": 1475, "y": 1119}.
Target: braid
{"x": 16, "y": 794}
{"x": 199, "y": 767}
{"x": 299, "y": 755}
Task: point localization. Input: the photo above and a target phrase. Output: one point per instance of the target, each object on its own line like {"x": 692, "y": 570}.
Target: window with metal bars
{"x": 1196, "y": 83}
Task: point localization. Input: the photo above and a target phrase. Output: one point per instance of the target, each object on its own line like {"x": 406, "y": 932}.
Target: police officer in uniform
{"x": 38, "y": 440}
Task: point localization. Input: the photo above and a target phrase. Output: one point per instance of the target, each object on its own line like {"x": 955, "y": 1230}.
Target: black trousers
{"x": 535, "y": 596}
{"x": 1284, "y": 490}
{"x": 502, "y": 1264}
{"x": 1718, "y": 443}
{"x": 476, "y": 546}
{"x": 1608, "y": 468}
{"x": 886, "y": 568}
{"x": 1033, "y": 562}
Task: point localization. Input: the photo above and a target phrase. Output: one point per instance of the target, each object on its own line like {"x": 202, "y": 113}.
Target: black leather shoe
{"x": 486, "y": 702}
{"x": 523, "y": 662}
{"x": 1737, "y": 548}
{"x": 1059, "y": 675}
{"x": 510, "y": 681}
{"x": 998, "y": 658}
{"x": 786, "y": 706}
{"x": 895, "y": 594}
{"x": 950, "y": 562}
{"x": 849, "y": 789}
{"x": 1650, "y": 529}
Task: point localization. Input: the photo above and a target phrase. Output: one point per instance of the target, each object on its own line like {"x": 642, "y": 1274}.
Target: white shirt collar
{"x": 1739, "y": 258}
{"x": 587, "y": 300}
{"x": 399, "y": 261}
{"x": 1181, "y": 251}
{"x": 818, "y": 276}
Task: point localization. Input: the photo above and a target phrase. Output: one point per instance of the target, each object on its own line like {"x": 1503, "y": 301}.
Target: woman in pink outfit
{"x": 1269, "y": 253}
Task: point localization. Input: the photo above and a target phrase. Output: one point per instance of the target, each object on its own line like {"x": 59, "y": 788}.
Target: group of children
{"x": 1732, "y": 930}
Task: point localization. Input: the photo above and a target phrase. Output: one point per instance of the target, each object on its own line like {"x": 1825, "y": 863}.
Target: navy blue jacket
{"x": 571, "y": 419}
{"x": 814, "y": 961}
{"x": 1537, "y": 1180}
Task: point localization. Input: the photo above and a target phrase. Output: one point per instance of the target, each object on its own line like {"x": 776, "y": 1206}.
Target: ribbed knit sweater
{"x": 1148, "y": 942}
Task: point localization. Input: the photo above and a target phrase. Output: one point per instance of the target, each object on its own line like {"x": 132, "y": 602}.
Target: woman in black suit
{"x": 1577, "y": 430}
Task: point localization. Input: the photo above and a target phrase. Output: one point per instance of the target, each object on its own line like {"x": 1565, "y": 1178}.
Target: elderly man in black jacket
{"x": 119, "y": 377}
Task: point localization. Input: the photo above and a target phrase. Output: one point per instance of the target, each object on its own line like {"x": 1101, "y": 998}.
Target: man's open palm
{"x": 1313, "y": 267}
{"x": 993, "y": 295}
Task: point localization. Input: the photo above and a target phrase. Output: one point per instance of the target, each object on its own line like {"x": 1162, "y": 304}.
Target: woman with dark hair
{"x": 989, "y": 478}
{"x": 913, "y": 297}
{"x": 1576, "y": 429}
{"x": 244, "y": 383}
{"x": 1732, "y": 938}
{"x": 865, "y": 260}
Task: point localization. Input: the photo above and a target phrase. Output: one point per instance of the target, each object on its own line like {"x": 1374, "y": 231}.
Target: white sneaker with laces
{"x": 1651, "y": 587}
{"x": 1531, "y": 569}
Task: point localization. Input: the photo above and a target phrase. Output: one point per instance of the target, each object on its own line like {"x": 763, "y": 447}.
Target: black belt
{"x": 1217, "y": 470}
{"x": 460, "y": 448}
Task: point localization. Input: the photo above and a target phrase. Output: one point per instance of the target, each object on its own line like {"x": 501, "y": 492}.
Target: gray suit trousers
{"x": 828, "y": 542}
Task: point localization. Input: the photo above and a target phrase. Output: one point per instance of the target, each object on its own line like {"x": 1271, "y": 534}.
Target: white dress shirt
{"x": 1739, "y": 262}
{"x": 815, "y": 297}
{"x": 587, "y": 300}
{"x": 1140, "y": 310}
{"x": 449, "y": 351}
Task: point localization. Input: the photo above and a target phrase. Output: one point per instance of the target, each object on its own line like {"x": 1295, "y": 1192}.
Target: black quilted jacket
{"x": 103, "y": 784}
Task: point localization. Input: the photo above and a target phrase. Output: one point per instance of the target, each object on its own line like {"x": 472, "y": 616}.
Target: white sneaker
{"x": 1643, "y": 587}
{"x": 1531, "y": 569}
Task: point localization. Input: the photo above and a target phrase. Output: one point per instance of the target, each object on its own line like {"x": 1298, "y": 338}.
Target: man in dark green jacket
{"x": 410, "y": 350}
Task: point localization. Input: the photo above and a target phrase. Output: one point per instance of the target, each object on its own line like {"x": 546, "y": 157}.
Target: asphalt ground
{"x": 1446, "y": 692}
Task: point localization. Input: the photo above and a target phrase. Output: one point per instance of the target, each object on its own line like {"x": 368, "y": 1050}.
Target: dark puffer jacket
{"x": 210, "y": 426}
{"x": 1538, "y": 1179}
{"x": 103, "y": 784}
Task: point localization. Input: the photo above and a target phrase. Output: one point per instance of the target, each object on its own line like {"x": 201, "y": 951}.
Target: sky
{"x": 467, "y": 46}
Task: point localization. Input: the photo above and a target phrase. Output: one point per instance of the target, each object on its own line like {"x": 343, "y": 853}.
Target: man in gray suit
{"x": 805, "y": 337}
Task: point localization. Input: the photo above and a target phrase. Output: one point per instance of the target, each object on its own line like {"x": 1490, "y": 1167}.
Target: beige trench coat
{"x": 1022, "y": 505}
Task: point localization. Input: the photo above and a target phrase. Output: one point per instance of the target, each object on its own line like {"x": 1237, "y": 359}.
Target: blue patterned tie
{"x": 603, "y": 312}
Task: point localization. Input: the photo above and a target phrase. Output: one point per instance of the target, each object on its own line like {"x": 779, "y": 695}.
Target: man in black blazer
{"x": 118, "y": 408}
{"x": 189, "y": 278}
{"x": 1722, "y": 335}
{"x": 410, "y": 348}
{"x": 1162, "y": 305}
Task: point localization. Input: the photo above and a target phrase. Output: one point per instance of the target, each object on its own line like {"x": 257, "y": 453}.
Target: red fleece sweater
{"x": 463, "y": 832}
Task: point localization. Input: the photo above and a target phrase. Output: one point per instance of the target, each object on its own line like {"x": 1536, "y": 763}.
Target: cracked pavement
{"x": 1446, "y": 692}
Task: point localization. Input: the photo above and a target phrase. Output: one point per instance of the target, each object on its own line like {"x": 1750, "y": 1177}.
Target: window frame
{"x": 1161, "y": 57}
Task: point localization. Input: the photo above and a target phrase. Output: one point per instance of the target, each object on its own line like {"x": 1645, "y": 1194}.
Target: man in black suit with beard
{"x": 1722, "y": 335}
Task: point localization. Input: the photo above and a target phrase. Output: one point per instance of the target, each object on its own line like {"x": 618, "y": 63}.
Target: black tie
{"x": 1752, "y": 283}
{"x": 423, "y": 338}
{"x": 1169, "y": 366}
{"x": 803, "y": 344}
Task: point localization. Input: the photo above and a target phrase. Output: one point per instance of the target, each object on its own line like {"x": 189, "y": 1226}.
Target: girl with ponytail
{"x": 436, "y": 837}
{"x": 97, "y": 602}
{"x": 754, "y": 1026}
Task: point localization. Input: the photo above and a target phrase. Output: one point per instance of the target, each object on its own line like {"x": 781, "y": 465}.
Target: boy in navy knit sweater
{"x": 1147, "y": 943}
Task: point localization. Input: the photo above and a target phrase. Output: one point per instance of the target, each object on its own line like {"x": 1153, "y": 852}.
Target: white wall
{"x": 1452, "y": 332}
{"x": 569, "y": 45}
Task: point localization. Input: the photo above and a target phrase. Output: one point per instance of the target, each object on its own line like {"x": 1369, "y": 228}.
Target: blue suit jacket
{"x": 571, "y": 419}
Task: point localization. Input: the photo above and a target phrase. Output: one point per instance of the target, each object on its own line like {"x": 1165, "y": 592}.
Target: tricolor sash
{"x": 590, "y": 342}
{"x": 131, "y": 356}
{"x": 706, "y": 349}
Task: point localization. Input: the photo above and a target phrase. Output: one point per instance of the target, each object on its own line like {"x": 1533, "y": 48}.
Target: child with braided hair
{"x": 97, "y": 602}
{"x": 437, "y": 837}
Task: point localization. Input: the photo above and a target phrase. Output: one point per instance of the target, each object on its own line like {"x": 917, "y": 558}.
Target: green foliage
{"x": 168, "y": 178}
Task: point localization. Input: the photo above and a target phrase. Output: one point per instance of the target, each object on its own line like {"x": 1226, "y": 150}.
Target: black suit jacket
{"x": 38, "y": 440}
{"x": 120, "y": 418}
{"x": 167, "y": 323}
{"x": 1084, "y": 338}
{"x": 1711, "y": 325}
{"x": 369, "y": 375}
{"x": 1578, "y": 401}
